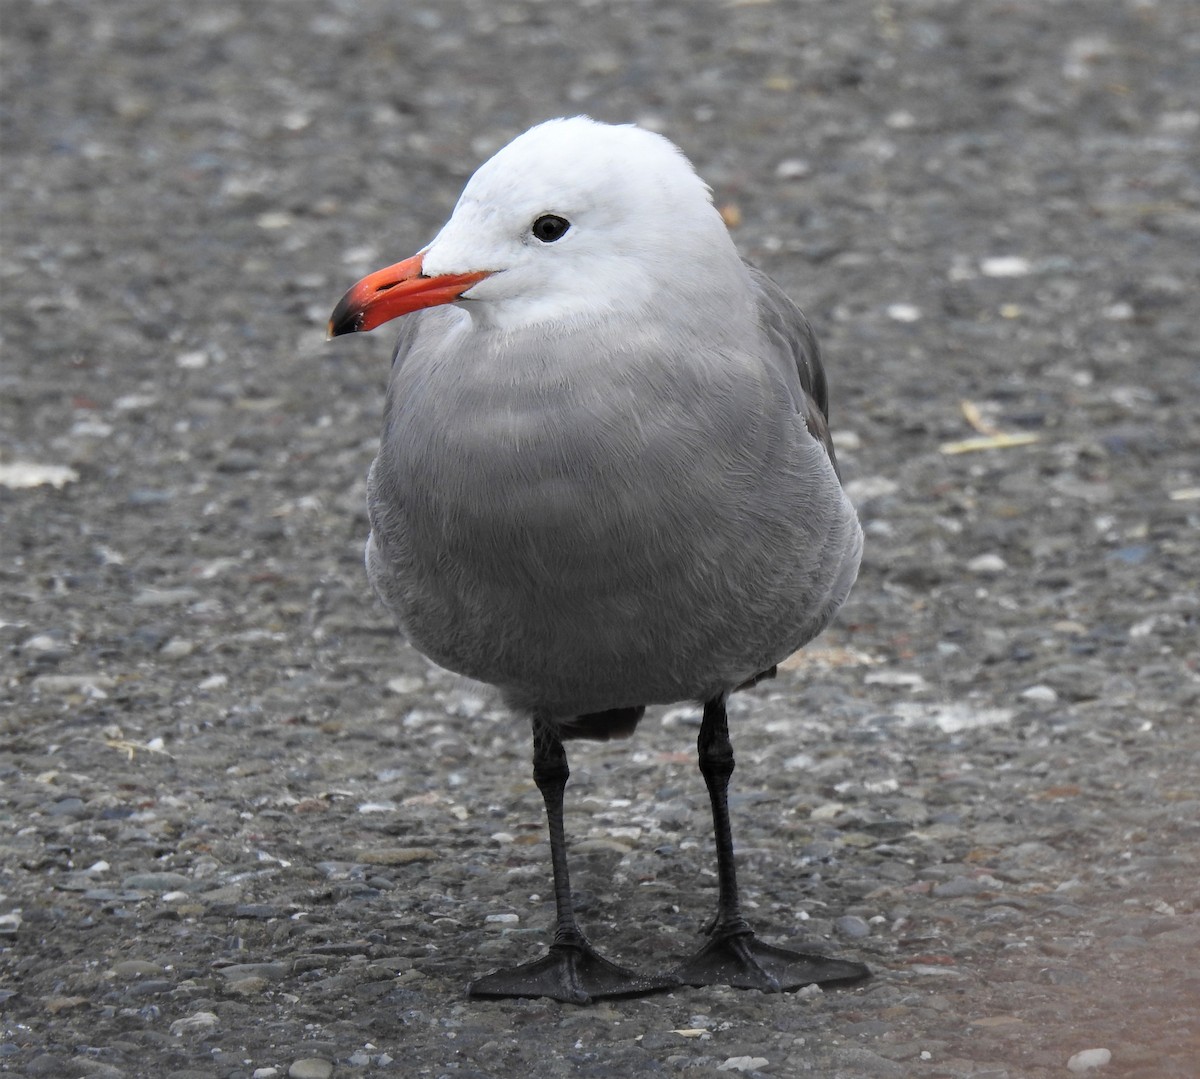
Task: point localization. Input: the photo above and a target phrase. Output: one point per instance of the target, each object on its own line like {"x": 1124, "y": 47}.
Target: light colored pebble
{"x": 851, "y": 926}
{"x": 21, "y": 474}
{"x": 176, "y": 648}
{"x": 743, "y": 1064}
{"x": 274, "y": 219}
{"x": 377, "y": 807}
{"x": 156, "y": 882}
{"x": 902, "y": 679}
{"x": 90, "y": 685}
{"x": 310, "y": 1068}
{"x": 958, "y": 887}
{"x": 164, "y": 597}
{"x": 1086, "y": 1059}
{"x": 1005, "y": 266}
{"x": 987, "y": 565}
{"x": 503, "y": 919}
{"x": 903, "y": 312}
{"x": 1041, "y": 693}
{"x": 194, "y": 1024}
{"x": 239, "y": 971}
{"x": 793, "y": 168}
{"x": 42, "y": 642}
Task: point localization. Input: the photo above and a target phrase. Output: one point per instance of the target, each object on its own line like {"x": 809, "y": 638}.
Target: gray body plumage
{"x": 633, "y": 508}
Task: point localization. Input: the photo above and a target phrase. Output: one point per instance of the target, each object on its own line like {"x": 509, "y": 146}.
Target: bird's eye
{"x": 550, "y": 227}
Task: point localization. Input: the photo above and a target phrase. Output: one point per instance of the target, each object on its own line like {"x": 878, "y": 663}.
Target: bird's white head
{"x": 571, "y": 222}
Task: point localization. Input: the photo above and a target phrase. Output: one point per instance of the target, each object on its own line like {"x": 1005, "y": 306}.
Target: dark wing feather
{"x": 793, "y": 346}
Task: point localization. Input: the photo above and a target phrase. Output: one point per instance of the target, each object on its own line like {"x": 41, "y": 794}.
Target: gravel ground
{"x": 245, "y": 831}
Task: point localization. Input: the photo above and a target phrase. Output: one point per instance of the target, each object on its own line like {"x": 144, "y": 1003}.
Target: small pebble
{"x": 23, "y": 474}
{"x": 904, "y": 312}
{"x": 1040, "y": 693}
{"x": 310, "y": 1068}
{"x": 958, "y": 887}
{"x": 164, "y": 597}
{"x": 176, "y": 648}
{"x": 269, "y": 971}
{"x": 157, "y": 882}
{"x": 1087, "y": 1059}
{"x": 42, "y": 642}
{"x": 1005, "y": 266}
{"x": 89, "y": 685}
{"x": 851, "y": 926}
{"x": 743, "y": 1064}
{"x": 274, "y": 219}
{"x": 987, "y": 565}
{"x": 793, "y": 168}
{"x": 194, "y": 1024}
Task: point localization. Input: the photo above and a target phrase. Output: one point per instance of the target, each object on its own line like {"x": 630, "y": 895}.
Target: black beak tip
{"x": 346, "y": 318}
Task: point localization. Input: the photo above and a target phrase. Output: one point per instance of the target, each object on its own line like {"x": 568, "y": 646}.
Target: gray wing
{"x": 793, "y": 346}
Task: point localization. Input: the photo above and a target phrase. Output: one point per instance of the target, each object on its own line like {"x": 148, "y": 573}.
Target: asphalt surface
{"x": 245, "y": 831}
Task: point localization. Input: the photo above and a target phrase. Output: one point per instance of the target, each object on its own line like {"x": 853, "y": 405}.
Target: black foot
{"x": 745, "y": 962}
{"x": 572, "y": 973}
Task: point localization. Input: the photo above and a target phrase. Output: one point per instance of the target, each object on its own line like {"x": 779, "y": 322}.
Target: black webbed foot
{"x": 572, "y": 973}
{"x": 743, "y": 961}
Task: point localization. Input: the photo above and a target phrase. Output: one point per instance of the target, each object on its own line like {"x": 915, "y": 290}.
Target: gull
{"x": 605, "y": 481}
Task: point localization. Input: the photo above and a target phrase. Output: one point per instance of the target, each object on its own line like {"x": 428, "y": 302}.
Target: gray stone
{"x": 310, "y": 1068}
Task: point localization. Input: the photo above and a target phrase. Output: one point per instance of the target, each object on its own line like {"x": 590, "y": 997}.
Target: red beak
{"x": 395, "y": 291}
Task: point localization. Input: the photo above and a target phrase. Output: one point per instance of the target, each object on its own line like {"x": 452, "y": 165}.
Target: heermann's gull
{"x": 605, "y": 480}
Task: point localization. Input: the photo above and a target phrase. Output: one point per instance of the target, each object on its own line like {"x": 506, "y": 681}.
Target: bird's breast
{"x": 527, "y": 525}
{"x": 550, "y": 472}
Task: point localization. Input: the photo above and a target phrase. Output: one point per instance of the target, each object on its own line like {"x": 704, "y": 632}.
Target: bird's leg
{"x": 715, "y": 751}
{"x": 550, "y": 773}
{"x": 734, "y": 955}
{"x": 573, "y": 971}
